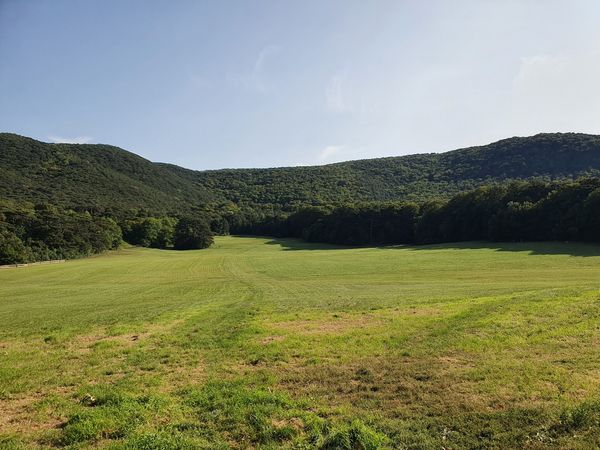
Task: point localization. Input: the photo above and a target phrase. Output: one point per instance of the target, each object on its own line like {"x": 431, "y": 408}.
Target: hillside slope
{"x": 108, "y": 178}
{"x": 90, "y": 176}
{"x": 413, "y": 177}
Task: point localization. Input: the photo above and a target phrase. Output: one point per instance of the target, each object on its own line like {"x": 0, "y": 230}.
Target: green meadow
{"x": 263, "y": 343}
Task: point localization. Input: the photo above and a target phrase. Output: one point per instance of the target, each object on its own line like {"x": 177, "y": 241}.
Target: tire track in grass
{"x": 224, "y": 323}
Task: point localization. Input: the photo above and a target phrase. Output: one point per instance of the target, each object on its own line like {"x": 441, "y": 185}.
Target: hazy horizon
{"x": 207, "y": 85}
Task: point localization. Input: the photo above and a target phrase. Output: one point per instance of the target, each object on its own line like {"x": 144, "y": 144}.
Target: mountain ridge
{"x": 350, "y": 161}
{"x": 100, "y": 176}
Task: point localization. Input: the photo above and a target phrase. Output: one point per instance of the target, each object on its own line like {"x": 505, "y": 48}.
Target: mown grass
{"x": 258, "y": 343}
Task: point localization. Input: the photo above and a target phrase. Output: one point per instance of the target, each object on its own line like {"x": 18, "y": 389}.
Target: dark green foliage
{"x": 519, "y": 211}
{"x": 219, "y": 226}
{"x": 365, "y": 224}
{"x": 192, "y": 233}
{"x": 590, "y": 217}
{"x": 102, "y": 179}
{"x": 410, "y": 178}
{"x": 45, "y": 232}
{"x": 12, "y": 249}
{"x": 358, "y": 202}
{"x": 106, "y": 180}
{"x": 168, "y": 232}
{"x": 302, "y": 219}
{"x": 516, "y": 212}
{"x": 150, "y": 231}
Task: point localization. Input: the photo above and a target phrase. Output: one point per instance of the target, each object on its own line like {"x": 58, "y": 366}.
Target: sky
{"x": 214, "y": 84}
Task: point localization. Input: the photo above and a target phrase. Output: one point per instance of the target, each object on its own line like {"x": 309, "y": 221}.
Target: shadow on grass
{"x": 582, "y": 249}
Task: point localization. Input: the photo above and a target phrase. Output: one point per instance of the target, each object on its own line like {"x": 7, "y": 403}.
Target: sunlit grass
{"x": 274, "y": 344}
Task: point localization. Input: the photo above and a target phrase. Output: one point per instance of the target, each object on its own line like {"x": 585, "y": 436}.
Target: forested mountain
{"x": 69, "y": 200}
{"x": 108, "y": 179}
{"x": 414, "y": 177}
{"x": 93, "y": 177}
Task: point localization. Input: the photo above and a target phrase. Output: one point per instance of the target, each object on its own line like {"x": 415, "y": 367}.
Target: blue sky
{"x": 212, "y": 84}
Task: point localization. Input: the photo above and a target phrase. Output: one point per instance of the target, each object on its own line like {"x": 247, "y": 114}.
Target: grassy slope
{"x": 279, "y": 343}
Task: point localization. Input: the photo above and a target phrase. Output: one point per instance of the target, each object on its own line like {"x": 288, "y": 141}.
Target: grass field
{"x": 259, "y": 343}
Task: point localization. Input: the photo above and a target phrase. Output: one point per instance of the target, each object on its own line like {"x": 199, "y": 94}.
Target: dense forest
{"x": 108, "y": 180}
{"x": 96, "y": 178}
{"x": 65, "y": 201}
{"x": 44, "y": 232}
{"x": 519, "y": 211}
{"x": 409, "y": 178}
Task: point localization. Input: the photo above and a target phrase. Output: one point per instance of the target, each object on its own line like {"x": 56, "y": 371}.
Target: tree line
{"x": 45, "y": 232}
{"x": 517, "y": 211}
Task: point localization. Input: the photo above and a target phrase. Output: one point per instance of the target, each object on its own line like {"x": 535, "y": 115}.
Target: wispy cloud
{"x": 255, "y": 79}
{"x": 70, "y": 140}
{"x": 330, "y": 151}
